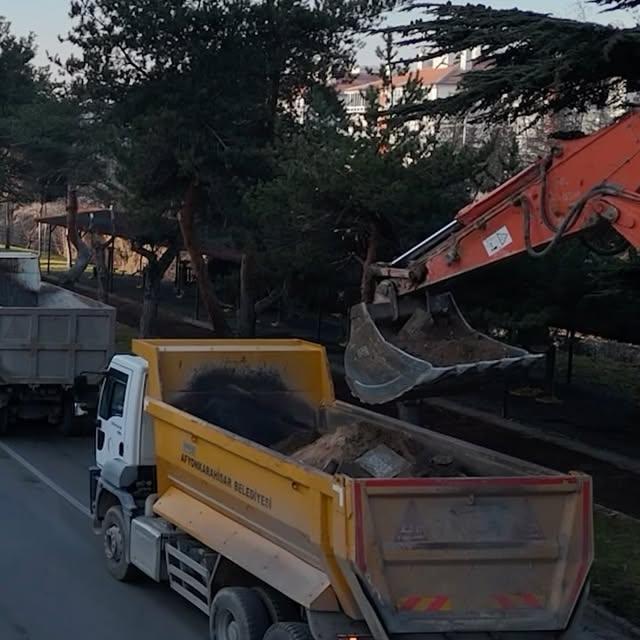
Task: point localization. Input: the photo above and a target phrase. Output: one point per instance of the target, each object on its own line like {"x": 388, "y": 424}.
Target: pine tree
{"x": 531, "y": 63}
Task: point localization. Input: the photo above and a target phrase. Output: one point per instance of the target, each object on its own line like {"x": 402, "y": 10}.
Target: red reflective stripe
{"x": 504, "y": 601}
{"x": 360, "y": 559}
{"x": 454, "y": 482}
{"x": 409, "y": 603}
{"x": 530, "y": 600}
{"x": 437, "y": 603}
{"x": 586, "y": 538}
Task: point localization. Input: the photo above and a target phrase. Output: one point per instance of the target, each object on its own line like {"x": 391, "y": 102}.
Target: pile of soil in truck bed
{"x": 338, "y": 451}
{"x": 258, "y": 407}
{"x": 255, "y": 405}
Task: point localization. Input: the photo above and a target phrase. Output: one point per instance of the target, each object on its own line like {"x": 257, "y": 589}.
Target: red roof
{"x": 361, "y": 81}
{"x": 430, "y": 76}
{"x": 449, "y": 75}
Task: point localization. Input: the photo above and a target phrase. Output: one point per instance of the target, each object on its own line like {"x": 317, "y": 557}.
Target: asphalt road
{"x": 53, "y": 584}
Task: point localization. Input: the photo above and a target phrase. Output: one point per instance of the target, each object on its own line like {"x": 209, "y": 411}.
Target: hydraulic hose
{"x": 567, "y": 222}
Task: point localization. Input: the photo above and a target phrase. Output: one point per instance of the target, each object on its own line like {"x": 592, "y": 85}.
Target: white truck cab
{"x": 123, "y": 434}
{"x": 124, "y": 472}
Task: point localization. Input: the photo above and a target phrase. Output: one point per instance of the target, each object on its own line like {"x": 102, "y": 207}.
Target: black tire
{"x": 237, "y": 613}
{"x": 68, "y": 419}
{"x": 5, "y": 420}
{"x": 115, "y": 539}
{"x": 278, "y": 606}
{"x": 289, "y": 631}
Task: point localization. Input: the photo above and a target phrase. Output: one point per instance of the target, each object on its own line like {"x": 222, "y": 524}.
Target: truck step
{"x": 189, "y": 577}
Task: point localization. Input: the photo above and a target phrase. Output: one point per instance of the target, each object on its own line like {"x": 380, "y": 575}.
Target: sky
{"x": 49, "y": 18}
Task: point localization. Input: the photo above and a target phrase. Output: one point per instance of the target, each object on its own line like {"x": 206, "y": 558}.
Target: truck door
{"x": 110, "y": 428}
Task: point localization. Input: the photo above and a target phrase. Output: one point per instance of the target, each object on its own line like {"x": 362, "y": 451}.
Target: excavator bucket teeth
{"x": 427, "y": 354}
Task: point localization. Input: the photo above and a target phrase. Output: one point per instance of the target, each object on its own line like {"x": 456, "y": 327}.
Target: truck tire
{"x": 278, "y": 606}
{"x": 237, "y": 613}
{"x": 289, "y": 631}
{"x": 68, "y": 419}
{"x": 115, "y": 540}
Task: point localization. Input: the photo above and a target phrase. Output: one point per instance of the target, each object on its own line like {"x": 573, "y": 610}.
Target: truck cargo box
{"x": 62, "y": 336}
{"x": 499, "y": 546}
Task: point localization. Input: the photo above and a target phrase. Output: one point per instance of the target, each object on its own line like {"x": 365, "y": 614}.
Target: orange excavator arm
{"x": 581, "y": 184}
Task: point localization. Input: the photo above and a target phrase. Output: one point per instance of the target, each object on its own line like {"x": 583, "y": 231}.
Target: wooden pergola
{"x": 116, "y": 224}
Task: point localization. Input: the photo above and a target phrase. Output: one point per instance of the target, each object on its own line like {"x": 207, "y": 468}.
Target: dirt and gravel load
{"x": 447, "y": 341}
{"x": 257, "y": 406}
{"x": 362, "y": 450}
{"x": 454, "y": 350}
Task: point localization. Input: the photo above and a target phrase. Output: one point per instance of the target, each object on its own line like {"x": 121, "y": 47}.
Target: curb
{"x": 613, "y": 513}
{"x": 622, "y": 626}
{"x": 615, "y": 459}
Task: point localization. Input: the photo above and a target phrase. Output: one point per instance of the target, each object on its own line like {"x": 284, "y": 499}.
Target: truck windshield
{"x": 113, "y": 395}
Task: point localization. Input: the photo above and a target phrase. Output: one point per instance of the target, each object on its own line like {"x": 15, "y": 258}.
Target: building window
{"x": 354, "y": 101}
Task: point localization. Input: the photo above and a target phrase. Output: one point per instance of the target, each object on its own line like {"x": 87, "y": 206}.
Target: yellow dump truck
{"x": 222, "y": 469}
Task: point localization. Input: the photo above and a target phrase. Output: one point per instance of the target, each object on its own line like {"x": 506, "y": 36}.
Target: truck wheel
{"x": 115, "y": 540}
{"x": 289, "y": 631}
{"x": 278, "y": 606}
{"x": 237, "y": 613}
{"x": 68, "y": 420}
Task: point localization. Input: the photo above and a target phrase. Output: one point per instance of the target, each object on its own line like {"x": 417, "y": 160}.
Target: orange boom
{"x": 588, "y": 183}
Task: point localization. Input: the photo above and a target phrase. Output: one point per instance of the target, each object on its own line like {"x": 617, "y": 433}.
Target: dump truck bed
{"x": 60, "y": 336}
{"x": 502, "y": 546}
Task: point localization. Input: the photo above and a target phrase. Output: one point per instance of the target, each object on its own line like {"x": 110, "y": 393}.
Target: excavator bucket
{"x": 429, "y": 353}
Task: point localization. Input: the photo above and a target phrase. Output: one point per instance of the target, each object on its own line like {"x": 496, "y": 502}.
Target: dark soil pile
{"x": 257, "y": 406}
{"x": 253, "y": 404}
{"x": 445, "y": 341}
{"x": 451, "y": 351}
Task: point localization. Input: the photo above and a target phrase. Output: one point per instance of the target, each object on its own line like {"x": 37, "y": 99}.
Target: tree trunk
{"x": 205, "y": 286}
{"x": 68, "y": 252}
{"x": 264, "y": 304}
{"x": 572, "y": 344}
{"x": 9, "y": 223}
{"x": 83, "y": 252}
{"x": 102, "y": 276}
{"x": 367, "y": 282}
{"x": 149, "y": 314}
{"x": 247, "y": 315}
{"x": 152, "y": 277}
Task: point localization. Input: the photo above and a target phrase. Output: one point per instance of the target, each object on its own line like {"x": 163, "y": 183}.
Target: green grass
{"x": 620, "y": 378}
{"x": 124, "y": 335}
{"x": 58, "y": 263}
{"x": 615, "y": 581}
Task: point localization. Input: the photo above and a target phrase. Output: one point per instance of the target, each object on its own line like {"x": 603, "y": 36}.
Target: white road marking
{"x": 65, "y": 495}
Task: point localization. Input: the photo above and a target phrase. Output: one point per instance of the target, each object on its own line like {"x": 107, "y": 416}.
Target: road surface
{"x": 53, "y": 584}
